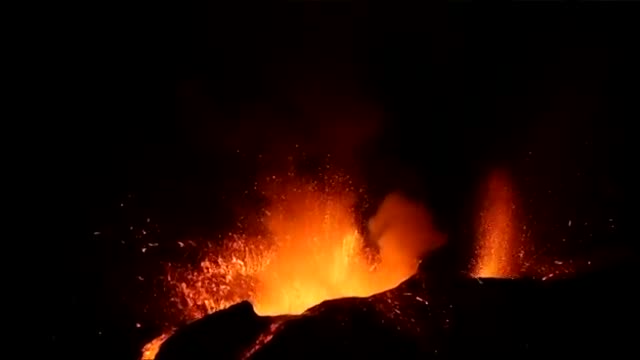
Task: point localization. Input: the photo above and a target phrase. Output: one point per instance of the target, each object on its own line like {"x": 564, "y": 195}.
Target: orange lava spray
{"x": 497, "y": 230}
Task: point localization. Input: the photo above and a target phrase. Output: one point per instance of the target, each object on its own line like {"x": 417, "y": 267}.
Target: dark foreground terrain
{"x": 591, "y": 315}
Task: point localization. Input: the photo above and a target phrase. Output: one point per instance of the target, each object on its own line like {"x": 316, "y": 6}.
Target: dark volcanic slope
{"x": 421, "y": 319}
{"x": 222, "y": 335}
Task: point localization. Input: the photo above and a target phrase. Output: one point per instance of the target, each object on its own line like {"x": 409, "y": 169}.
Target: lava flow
{"x": 150, "y": 350}
{"x": 313, "y": 250}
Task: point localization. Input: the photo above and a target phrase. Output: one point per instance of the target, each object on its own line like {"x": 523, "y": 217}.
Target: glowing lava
{"x": 503, "y": 249}
{"x": 150, "y": 350}
{"x": 497, "y": 236}
{"x": 312, "y": 250}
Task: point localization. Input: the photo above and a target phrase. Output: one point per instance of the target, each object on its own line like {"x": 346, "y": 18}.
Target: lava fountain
{"x": 312, "y": 250}
{"x": 496, "y": 252}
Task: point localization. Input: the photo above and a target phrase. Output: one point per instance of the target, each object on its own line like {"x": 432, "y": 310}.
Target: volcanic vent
{"x": 310, "y": 247}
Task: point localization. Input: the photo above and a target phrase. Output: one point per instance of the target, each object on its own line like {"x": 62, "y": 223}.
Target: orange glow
{"x": 150, "y": 350}
{"x": 504, "y": 247}
{"x": 312, "y": 250}
{"x": 496, "y": 253}
{"x": 319, "y": 253}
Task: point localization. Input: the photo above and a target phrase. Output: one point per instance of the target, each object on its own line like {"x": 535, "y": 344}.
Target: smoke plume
{"x": 404, "y": 232}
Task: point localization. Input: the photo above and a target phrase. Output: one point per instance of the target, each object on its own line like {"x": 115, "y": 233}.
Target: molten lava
{"x": 150, "y": 350}
{"x": 312, "y": 250}
{"x": 496, "y": 256}
{"x": 503, "y": 248}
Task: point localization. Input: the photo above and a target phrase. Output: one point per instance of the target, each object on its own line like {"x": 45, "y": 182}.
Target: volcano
{"x": 432, "y": 316}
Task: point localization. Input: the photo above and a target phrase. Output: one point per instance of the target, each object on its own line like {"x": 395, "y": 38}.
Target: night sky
{"x": 185, "y": 106}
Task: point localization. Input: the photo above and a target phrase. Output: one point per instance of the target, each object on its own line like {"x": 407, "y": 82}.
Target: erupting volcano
{"x": 309, "y": 246}
{"x": 311, "y": 249}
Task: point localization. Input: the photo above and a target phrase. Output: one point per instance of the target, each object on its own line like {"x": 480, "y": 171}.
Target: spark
{"x": 422, "y": 300}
